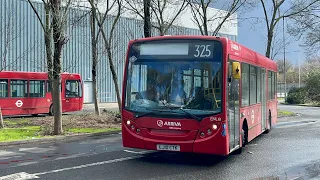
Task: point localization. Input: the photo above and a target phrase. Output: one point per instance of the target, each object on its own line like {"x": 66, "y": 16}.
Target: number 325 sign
{"x": 202, "y": 50}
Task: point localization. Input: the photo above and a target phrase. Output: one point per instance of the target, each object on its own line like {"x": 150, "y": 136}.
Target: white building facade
{"x": 22, "y": 41}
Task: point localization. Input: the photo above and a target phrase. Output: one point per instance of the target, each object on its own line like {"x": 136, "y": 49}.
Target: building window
{"x": 3, "y": 88}
{"x": 37, "y": 88}
{"x": 245, "y": 84}
{"x": 73, "y": 88}
{"x": 253, "y": 85}
{"x": 19, "y": 88}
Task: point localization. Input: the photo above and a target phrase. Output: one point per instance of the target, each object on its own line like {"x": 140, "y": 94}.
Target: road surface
{"x": 290, "y": 150}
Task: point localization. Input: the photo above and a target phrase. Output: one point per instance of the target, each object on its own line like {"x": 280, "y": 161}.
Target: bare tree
{"x": 55, "y": 39}
{"x": 160, "y": 10}
{"x": 147, "y": 18}
{"x": 307, "y": 26}
{"x": 273, "y": 18}
{"x": 311, "y": 65}
{"x": 108, "y": 40}
{"x": 202, "y": 18}
{"x": 94, "y": 50}
{"x": 280, "y": 64}
{"x": 278, "y": 44}
{"x": 1, "y": 119}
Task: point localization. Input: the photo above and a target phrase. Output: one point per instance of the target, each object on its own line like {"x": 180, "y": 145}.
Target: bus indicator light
{"x": 202, "y": 134}
{"x": 209, "y": 131}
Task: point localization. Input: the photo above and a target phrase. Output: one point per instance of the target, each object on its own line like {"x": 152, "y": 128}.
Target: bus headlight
{"x": 214, "y": 127}
{"x": 128, "y": 123}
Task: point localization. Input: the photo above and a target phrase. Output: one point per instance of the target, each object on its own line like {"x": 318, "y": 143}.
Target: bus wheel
{"x": 51, "y": 110}
{"x": 244, "y": 134}
{"x": 269, "y": 122}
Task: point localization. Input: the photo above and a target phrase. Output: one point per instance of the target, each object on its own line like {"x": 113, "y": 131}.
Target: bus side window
{"x": 48, "y": 86}
{"x": 36, "y": 88}
{"x": 3, "y": 88}
{"x": 245, "y": 84}
{"x": 18, "y": 88}
{"x": 73, "y": 88}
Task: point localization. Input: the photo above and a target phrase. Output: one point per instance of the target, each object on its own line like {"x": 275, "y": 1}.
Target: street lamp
{"x": 299, "y": 66}
{"x": 284, "y": 61}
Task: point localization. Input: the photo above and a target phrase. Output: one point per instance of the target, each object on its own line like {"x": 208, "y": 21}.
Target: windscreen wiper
{"x": 147, "y": 113}
{"x": 191, "y": 115}
{"x": 180, "y": 108}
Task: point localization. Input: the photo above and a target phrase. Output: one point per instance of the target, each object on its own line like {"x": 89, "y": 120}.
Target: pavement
{"x": 107, "y": 106}
{"x": 289, "y": 151}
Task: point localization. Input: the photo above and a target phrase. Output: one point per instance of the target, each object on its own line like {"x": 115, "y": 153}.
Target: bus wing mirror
{"x": 236, "y": 72}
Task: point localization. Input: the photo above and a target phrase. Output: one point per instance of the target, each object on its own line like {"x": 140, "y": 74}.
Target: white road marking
{"x": 25, "y": 176}
{"x": 88, "y": 165}
{"x": 135, "y": 152}
{"x": 71, "y": 156}
{"x": 19, "y": 176}
{"x": 37, "y": 149}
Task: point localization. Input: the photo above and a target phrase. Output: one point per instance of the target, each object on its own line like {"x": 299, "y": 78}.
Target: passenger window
{"x": 18, "y": 88}
{"x": 3, "y": 88}
{"x": 258, "y": 85}
{"x": 36, "y": 88}
{"x": 253, "y": 85}
{"x": 245, "y": 84}
{"x": 275, "y": 84}
{"x": 48, "y": 86}
{"x": 269, "y": 85}
{"x": 73, "y": 88}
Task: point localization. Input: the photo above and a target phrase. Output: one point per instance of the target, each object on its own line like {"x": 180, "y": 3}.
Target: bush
{"x": 313, "y": 86}
{"x": 297, "y": 96}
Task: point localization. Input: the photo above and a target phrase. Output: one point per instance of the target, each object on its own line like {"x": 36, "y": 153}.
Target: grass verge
{"x": 13, "y": 134}
{"x": 26, "y": 128}
{"x": 91, "y": 130}
{"x": 283, "y": 113}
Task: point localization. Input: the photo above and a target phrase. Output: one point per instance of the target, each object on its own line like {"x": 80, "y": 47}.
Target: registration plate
{"x": 166, "y": 147}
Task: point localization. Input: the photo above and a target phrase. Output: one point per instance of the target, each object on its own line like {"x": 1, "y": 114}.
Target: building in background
{"x": 22, "y": 42}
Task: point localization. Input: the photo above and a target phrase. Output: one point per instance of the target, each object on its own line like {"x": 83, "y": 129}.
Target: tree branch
{"x": 37, "y": 14}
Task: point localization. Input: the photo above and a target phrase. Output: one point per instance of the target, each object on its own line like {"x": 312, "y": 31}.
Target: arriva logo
{"x": 160, "y": 123}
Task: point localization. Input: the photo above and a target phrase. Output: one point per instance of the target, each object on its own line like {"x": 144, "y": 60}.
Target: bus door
{"x": 72, "y": 95}
{"x": 263, "y": 98}
{"x": 233, "y": 109}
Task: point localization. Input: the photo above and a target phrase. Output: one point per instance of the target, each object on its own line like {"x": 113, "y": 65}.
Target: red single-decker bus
{"x": 197, "y": 94}
{"x": 25, "y": 93}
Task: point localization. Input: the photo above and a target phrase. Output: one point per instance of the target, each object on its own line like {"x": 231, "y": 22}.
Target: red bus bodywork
{"x": 188, "y": 137}
{"x": 39, "y": 104}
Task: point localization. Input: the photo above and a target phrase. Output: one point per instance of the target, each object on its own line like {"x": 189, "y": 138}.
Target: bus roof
{"x": 236, "y": 50}
{"x": 30, "y": 75}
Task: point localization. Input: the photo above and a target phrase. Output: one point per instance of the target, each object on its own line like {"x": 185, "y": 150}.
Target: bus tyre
{"x": 51, "y": 110}
{"x": 270, "y": 124}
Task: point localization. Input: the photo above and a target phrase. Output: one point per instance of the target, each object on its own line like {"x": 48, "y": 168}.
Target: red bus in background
{"x": 196, "y": 94}
{"x": 24, "y": 93}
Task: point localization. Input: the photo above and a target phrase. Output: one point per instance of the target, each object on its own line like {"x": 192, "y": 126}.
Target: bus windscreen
{"x": 174, "y": 75}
